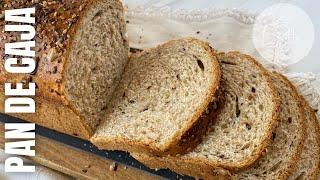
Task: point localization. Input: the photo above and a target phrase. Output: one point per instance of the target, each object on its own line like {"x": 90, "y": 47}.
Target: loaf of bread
{"x": 81, "y": 52}
{"x": 242, "y": 129}
{"x": 162, "y": 95}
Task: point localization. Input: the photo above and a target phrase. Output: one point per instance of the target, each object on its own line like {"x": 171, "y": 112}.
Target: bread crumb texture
{"x": 281, "y": 156}
{"x": 162, "y": 93}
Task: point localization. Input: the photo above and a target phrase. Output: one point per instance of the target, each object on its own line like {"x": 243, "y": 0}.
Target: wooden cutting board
{"x": 78, "y": 163}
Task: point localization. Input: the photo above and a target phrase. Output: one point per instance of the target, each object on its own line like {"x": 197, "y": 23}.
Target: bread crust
{"x": 315, "y": 173}
{"x": 54, "y": 38}
{"x": 312, "y": 172}
{"x": 171, "y": 147}
{"x": 284, "y": 174}
{"x": 317, "y": 125}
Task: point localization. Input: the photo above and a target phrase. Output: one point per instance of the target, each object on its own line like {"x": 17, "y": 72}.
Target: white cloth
{"x": 225, "y": 24}
{"x": 226, "y": 29}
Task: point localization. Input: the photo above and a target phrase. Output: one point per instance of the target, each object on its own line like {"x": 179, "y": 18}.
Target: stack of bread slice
{"x": 260, "y": 128}
{"x": 210, "y": 115}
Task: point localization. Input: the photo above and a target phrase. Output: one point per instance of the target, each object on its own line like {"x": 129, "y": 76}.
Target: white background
{"x": 310, "y": 63}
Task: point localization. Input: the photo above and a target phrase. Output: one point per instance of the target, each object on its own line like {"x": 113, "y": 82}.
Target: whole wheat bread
{"x": 81, "y": 51}
{"x": 161, "y": 96}
{"x": 281, "y": 156}
{"x": 279, "y": 159}
{"x": 242, "y": 129}
{"x": 308, "y": 166}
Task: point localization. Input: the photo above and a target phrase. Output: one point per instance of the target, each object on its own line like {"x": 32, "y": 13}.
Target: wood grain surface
{"x": 78, "y": 163}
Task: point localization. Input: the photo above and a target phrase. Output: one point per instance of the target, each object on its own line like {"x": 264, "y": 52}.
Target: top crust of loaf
{"x": 54, "y": 33}
{"x": 119, "y": 142}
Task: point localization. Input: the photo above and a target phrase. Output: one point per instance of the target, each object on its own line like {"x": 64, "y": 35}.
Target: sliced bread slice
{"x": 309, "y": 163}
{"x": 161, "y": 96}
{"x": 242, "y": 129}
{"x": 282, "y": 155}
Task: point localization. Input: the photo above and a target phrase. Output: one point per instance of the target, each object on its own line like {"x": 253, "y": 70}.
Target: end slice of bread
{"x": 81, "y": 54}
{"x": 309, "y": 162}
{"x": 242, "y": 129}
{"x": 162, "y": 94}
{"x": 97, "y": 57}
